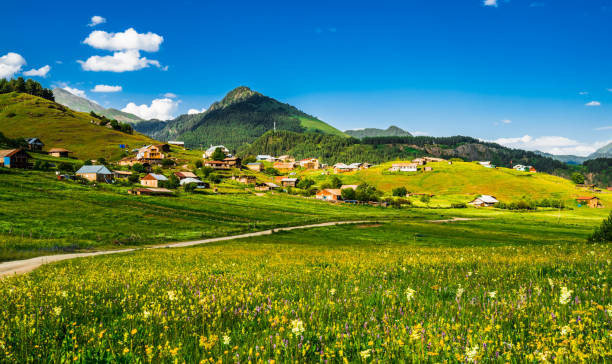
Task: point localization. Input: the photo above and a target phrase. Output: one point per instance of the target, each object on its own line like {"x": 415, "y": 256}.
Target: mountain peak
{"x": 239, "y": 94}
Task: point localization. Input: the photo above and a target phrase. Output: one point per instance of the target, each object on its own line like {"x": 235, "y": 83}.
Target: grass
{"x": 23, "y": 115}
{"x": 315, "y": 125}
{"x": 510, "y": 289}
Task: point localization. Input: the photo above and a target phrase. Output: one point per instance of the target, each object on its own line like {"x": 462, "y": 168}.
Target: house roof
{"x": 127, "y": 173}
{"x": 9, "y": 152}
{"x": 151, "y": 176}
{"x": 289, "y": 179}
{"x": 185, "y": 175}
{"x": 271, "y": 185}
{"x": 584, "y": 198}
{"x": 349, "y": 186}
{"x": 253, "y": 164}
{"x": 404, "y": 164}
{"x": 215, "y": 162}
{"x": 263, "y": 156}
{"x": 33, "y": 140}
{"x": 98, "y": 169}
{"x": 214, "y": 147}
{"x": 189, "y": 180}
{"x": 488, "y": 199}
{"x": 59, "y": 150}
{"x": 332, "y": 191}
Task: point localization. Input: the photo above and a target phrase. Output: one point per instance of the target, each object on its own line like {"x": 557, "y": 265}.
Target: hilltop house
{"x": 433, "y": 159}
{"x": 177, "y": 143}
{"x": 35, "y": 144}
{"x": 198, "y": 182}
{"x": 183, "y": 175}
{"x": 403, "y": 167}
{"x": 14, "y": 158}
{"x": 222, "y": 165}
{"x": 59, "y": 152}
{"x": 286, "y": 158}
{"x": 419, "y": 161}
{"x": 592, "y": 202}
{"x": 310, "y": 163}
{"x": 484, "y": 201}
{"x": 257, "y": 167}
{"x": 152, "y": 180}
{"x": 520, "y": 167}
{"x": 245, "y": 179}
{"x": 329, "y": 194}
{"x": 233, "y": 161}
{"x": 152, "y": 152}
{"x": 209, "y": 152}
{"x": 96, "y": 173}
{"x": 343, "y": 168}
{"x": 284, "y": 166}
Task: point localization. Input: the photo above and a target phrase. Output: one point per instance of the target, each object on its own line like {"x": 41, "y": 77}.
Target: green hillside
{"x": 239, "y": 118}
{"x": 24, "y": 116}
{"x": 84, "y": 105}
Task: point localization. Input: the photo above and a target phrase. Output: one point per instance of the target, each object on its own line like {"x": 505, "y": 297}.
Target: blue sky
{"x": 533, "y": 74}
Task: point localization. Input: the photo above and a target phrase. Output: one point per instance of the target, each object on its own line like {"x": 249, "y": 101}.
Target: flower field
{"x": 344, "y": 294}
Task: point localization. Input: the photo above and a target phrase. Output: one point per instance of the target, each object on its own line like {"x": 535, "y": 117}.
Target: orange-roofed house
{"x": 329, "y": 194}
{"x": 590, "y": 201}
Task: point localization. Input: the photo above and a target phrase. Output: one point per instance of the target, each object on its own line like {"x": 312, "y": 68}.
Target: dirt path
{"x": 28, "y": 265}
{"x": 455, "y": 219}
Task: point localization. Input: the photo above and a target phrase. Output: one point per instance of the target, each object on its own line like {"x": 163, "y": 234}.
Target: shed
{"x": 97, "y": 173}
{"x": 198, "y": 182}
{"x": 14, "y": 158}
{"x": 183, "y": 175}
{"x": 289, "y": 182}
{"x": 35, "y": 144}
{"x": 152, "y": 179}
{"x": 59, "y": 152}
{"x": 484, "y": 201}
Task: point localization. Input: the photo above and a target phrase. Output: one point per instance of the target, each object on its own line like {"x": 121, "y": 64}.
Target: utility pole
{"x": 275, "y": 127}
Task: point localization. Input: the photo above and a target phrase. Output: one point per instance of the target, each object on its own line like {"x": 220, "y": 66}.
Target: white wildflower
{"x": 57, "y": 311}
{"x": 226, "y": 340}
{"x": 171, "y": 295}
{"x": 551, "y": 283}
{"x": 609, "y": 309}
{"x": 566, "y": 330}
{"x": 410, "y": 294}
{"x": 470, "y": 354}
{"x": 492, "y": 294}
{"x": 146, "y": 314}
{"x": 365, "y": 354}
{"x": 332, "y": 291}
{"x": 566, "y": 296}
{"x": 297, "y": 327}
{"x": 460, "y": 291}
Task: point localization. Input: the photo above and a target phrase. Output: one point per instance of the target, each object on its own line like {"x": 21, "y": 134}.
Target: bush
{"x": 271, "y": 171}
{"x": 461, "y": 205}
{"x": 366, "y": 193}
{"x": 206, "y": 171}
{"x": 190, "y": 187}
{"x": 400, "y": 191}
{"x": 65, "y": 167}
{"x": 41, "y": 165}
{"x": 348, "y": 194}
{"x": 603, "y": 233}
{"x": 139, "y": 168}
{"x": 198, "y": 164}
{"x": 425, "y": 199}
{"x": 166, "y": 163}
{"x": 335, "y": 182}
{"x": 133, "y": 178}
{"x": 305, "y": 183}
{"x": 577, "y": 178}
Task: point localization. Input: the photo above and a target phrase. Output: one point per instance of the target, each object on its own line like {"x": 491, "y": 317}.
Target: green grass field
{"x": 26, "y": 116}
{"x": 509, "y": 289}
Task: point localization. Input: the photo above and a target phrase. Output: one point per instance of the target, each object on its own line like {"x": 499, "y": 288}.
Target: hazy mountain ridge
{"x": 375, "y": 132}
{"x": 82, "y": 104}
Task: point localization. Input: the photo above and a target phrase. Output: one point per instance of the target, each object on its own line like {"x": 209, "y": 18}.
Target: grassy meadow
{"x": 508, "y": 289}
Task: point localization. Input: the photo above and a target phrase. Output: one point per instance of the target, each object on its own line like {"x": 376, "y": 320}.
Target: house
{"x": 486, "y": 164}
{"x": 433, "y": 159}
{"x": 128, "y": 161}
{"x": 198, "y": 182}
{"x": 484, "y": 201}
{"x": 183, "y": 175}
{"x": 265, "y": 158}
{"x": 209, "y": 152}
{"x": 14, "y": 158}
{"x": 329, "y": 194}
{"x": 245, "y": 179}
{"x": 95, "y": 173}
{"x": 343, "y": 168}
{"x": 354, "y": 187}
{"x": 122, "y": 174}
{"x": 35, "y": 144}
{"x": 262, "y": 187}
{"x": 152, "y": 180}
{"x": 284, "y": 166}
{"x": 365, "y": 165}
{"x": 257, "y": 167}
{"x": 403, "y": 167}
{"x": 286, "y": 158}
{"x": 233, "y": 161}
{"x": 177, "y": 143}
{"x": 289, "y": 182}
{"x": 272, "y": 185}
{"x": 419, "y": 161}
{"x": 59, "y": 152}
{"x": 520, "y": 167}
{"x": 310, "y": 163}
{"x": 532, "y": 169}
{"x": 355, "y": 166}
{"x": 151, "y": 191}
{"x": 592, "y": 202}
{"x": 217, "y": 165}
{"x": 427, "y": 169}
{"x": 152, "y": 152}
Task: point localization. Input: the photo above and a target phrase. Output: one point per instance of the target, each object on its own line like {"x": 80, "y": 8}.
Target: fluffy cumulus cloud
{"x": 122, "y": 41}
{"x": 41, "y": 72}
{"x": 490, "y": 3}
{"x": 106, "y": 88}
{"x": 162, "y": 109}
{"x": 593, "y": 103}
{"x": 170, "y": 95}
{"x": 10, "y": 64}
{"x": 118, "y": 62}
{"x": 195, "y": 111}
{"x": 96, "y": 20}
{"x": 551, "y": 144}
{"x": 75, "y": 91}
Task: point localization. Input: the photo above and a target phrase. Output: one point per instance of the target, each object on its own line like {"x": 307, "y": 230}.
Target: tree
{"x": 249, "y": 159}
{"x": 348, "y": 194}
{"x": 305, "y": 183}
{"x": 400, "y": 191}
{"x": 66, "y": 167}
{"x": 198, "y": 164}
{"x": 577, "y": 178}
{"x": 603, "y": 233}
{"x": 271, "y": 171}
{"x": 166, "y": 163}
{"x": 190, "y": 187}
{"x": 139, "y": 168}
{"x": 218, "y": 155}
{"x": 335, "y": 182}
{"x": 101, "y": 161}
{"x": 366, "y": 192}
{"x": 133, "y": 178}
{"x": 425, "y": 199}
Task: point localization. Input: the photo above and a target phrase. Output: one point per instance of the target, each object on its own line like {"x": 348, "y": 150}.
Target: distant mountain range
{"x": 239, "y": 118}
{"x": 78, "y": 103}
{"x": 374, "y": 132}
{"x": 603, "y": 152}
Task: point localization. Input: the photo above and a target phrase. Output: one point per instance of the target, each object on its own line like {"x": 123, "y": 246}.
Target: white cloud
{"x": 170, "y": 95}
{"x": 490, "y": 3}
{"x": 506, "y": 121}
{"x": 10, "y": 64}
{"x": 119, "y": 62}
{"x": 604, "y": 128}
{"x": 195, "y": 111}
{"x": 75, "y": 91}
{"x": 583, "y": 93}
{"x": 123, "y": 41}
{"x": 106, "y": 88}
{"x": 41, "y": 72}
{"x": 593, "y": 103}
{"x": 161, "y": 109}
{"x": 95, "y": 20}
{"x": 551, "y": 144}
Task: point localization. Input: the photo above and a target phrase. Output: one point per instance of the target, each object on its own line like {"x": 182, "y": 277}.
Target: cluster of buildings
{"x": 19, "y": 158}
{"x": 522, "y": 168}
{"x": 414, "y": 165}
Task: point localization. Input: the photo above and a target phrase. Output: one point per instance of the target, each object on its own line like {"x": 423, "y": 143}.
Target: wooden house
{"x": 257, "y": 167}
{"x": 35, "y": 144}
{"x": 286, "y": 158}
{"x": 310, "y": 163}
{"x": 59, "y": 152}
{"x": 152, "y": 152}
{"x": 14, "y": 158}
{"x": 284, "y": 166}
{"x": 329, "y": 194}
{"x": 233, "y": 161}
{"x": 245, "y": 179}
{"x": 484, "y": 201}
{"x": 592, "y": 202}
{"x": 222, "y": 165}
{"x": 95, "y": 174}
{"x": 152, "y": 180}
{"x": 289, "y": 182}
{"x": 183, "y": 175}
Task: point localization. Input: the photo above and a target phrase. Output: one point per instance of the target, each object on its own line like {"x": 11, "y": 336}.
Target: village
{"x": 161, "y": 170}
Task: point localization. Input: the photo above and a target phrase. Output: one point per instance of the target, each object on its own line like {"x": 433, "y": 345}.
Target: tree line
{"x": 28, "y": 86}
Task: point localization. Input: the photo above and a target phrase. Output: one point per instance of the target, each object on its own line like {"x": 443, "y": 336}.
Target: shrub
{"x": 133, "y": 178}
{"x": 400, "y": 191}
{"x": 190, "y": 187}
{"x": 166, "y": 163}
{"x": 305, "y": 183}
{"x": 66, "y": 167}
{"x": 139, "y": 168}
{"x": 577, "y": 178}
{"x": 348, "y": 194}
{"x": 603, "y": 233}
{"x": 198, "y": 164}
{"x": 460, "y": 205}
{"x": 335, "y": 182}
{"x": 425, "y": 199}
{"x": 271, "y": 171}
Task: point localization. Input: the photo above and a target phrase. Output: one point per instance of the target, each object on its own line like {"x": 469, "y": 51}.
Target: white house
{"x": 266, "y": 158}
{"x": 209, "y": 152}
{"x": 484, "y": 201}
{"x": 486, "y": 164}
{"x": 522, "y": 168}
